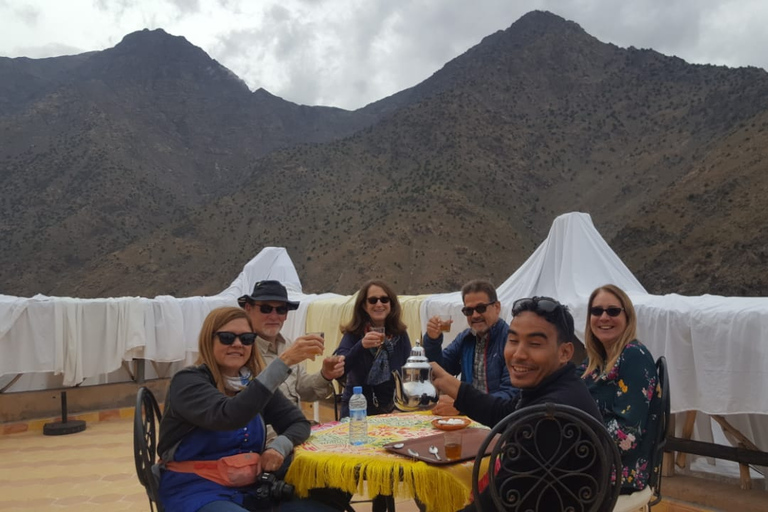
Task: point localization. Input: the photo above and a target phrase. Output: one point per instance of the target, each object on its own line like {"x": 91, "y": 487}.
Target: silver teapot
{"x": 414, "y": 390}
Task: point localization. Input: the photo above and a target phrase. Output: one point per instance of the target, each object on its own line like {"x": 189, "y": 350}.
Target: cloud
{"x": 27, "y": 14}
{"x": 349, "y": 53}
{"x": 187, "y": 6}
{"x": 48, "y": 49}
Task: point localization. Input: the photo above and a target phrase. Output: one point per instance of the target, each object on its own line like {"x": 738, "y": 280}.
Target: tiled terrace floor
{"x": 94, "y": 471}
{"x": 88, "y": 471}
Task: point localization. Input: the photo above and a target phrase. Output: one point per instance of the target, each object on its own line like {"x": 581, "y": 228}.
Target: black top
{"x": 561, "y": 387}
{"x": 194, "y": 401}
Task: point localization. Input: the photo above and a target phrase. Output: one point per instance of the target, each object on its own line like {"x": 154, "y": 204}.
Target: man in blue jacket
{"x": 477, "y": 353}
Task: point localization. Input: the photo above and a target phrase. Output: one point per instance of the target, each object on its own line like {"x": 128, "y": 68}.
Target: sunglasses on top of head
{"x": 228, "y": 338}
{"x": 267, "y": 309}
{"x": 480, "y": 308}
{"x": 374, "y": 300}
{"x": 541, "y": 304}
{"x": 612, "y": 311}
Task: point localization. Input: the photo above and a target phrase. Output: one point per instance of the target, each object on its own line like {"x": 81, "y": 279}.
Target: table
{"x": 327, "y": 459}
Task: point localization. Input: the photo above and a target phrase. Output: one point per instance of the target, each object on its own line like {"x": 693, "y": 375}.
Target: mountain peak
{"x": 152, "y": 55}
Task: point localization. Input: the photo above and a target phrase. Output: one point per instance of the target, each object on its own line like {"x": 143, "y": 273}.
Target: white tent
{"x": 716, "y": 347}
{"x": 57, "y": 341}
{"x": 571, "y": 262}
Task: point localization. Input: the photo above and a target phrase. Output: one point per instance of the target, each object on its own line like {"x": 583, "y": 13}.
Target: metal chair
{"x": 146, "y": 420}
{"x": 662, "y": 429}
{"x": 549, "y": 457}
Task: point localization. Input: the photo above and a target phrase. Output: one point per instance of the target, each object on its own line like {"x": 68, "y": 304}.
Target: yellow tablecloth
{"x": 328, "y": 460}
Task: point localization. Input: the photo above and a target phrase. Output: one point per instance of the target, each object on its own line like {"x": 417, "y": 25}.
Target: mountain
{"x": 107, "y": 147}
{"x": 455, "y": 178}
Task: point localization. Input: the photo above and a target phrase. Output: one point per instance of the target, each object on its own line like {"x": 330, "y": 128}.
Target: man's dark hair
{"x": 552, "y": 311}
{"x": 479, "y": 285}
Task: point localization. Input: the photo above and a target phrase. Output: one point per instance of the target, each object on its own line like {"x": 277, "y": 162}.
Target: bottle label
{"x": 357, "y": 414}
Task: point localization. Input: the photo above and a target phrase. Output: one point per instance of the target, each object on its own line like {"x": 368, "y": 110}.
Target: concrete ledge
{"x": 36, "y": 405}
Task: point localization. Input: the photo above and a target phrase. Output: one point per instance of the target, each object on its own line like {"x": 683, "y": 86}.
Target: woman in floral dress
{"x": 621, "y": 375}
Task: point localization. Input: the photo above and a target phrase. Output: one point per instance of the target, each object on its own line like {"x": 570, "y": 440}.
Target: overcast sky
{"x": 348, "y": 53}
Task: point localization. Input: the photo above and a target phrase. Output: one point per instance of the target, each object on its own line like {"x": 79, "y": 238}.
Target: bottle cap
{"x": 357, "y": 390}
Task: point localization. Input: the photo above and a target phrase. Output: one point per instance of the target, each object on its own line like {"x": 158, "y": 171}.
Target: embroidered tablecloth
{"x": 327, "y": 459}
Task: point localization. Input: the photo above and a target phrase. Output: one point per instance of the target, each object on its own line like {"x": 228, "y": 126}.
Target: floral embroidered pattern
{"x": 628, "y": 399}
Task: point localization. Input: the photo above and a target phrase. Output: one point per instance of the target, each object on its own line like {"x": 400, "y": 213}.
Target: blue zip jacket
{"x": 458, "y": 358}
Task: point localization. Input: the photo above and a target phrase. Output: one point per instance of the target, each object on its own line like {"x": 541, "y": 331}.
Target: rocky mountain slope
{"x": 458, "y": 177}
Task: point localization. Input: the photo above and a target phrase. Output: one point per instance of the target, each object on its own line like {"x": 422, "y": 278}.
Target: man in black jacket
{"x": 538, "y": 350}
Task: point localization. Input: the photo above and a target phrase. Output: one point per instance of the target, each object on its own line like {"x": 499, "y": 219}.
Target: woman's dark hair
{"x": 393, "y": 324}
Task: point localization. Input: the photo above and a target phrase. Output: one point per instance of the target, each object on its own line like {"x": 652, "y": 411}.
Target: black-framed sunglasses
{"x": 374, "y": 300}
{"x": 612, "y": 311}
{"x": 267, "y": 309}
{"x": 228, "y": 338}
{"x": 480, "y": 308}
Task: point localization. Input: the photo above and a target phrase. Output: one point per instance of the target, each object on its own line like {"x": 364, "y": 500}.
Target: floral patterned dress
{"x": 630, "y": 403}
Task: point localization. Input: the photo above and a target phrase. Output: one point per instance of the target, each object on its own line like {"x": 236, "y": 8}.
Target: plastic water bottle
{"x": 358, "y": 417}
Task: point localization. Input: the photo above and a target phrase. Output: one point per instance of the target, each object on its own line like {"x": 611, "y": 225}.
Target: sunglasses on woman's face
{"x": 612, "y": 311}
{"x": 228, "y": 338}
{"x": 267, "y": 309}
{"x": 374, "y": 300}
{"x": 480, "y": 308}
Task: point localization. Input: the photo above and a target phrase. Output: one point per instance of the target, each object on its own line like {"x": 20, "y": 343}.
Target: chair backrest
{"x": 661, "y": 433}
{"x": 146, "y": 419}
{"x": 549, "y": 457}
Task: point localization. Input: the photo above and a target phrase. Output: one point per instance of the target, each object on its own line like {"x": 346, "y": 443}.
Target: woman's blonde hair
{"x": 597, "y": 357}
{"x": 215, "y": 320}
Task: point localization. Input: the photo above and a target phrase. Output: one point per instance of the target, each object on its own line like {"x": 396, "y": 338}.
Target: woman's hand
{"x": 372, "y": 339}
{"x": 271, "y": 460}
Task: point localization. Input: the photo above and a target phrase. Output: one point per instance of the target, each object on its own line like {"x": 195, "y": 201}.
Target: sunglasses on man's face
{"x": 267, "y": 309}
{"x": 612, "y": 311}
{"x": 374, "y": 300}
{"x": 228, "y": 338}
{"x": 480, "y": 308}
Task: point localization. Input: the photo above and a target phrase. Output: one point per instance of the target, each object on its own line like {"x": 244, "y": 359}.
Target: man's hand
{"x": 303, "y": 348}
{"x": 333, "y": 367}
{"x": 433, "y": 327}
{"x": 445, "y": 407}
{"x": 271, "y": 460}
{"x": 446, "y": 383}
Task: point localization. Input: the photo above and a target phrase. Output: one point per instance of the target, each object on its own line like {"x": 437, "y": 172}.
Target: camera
{"x": 268, "y": 487}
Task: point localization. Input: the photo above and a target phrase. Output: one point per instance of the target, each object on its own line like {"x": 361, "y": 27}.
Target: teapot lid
{"x": 417, "y": 359}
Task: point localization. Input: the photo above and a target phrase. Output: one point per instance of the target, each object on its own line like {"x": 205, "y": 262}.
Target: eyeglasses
{"x": 228, "y": 338}
{"x": 267, "y": 309}
{"x": 612, "y": 311}
{"x": 480, "y": 308}
{"x": 374, "y": 300}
